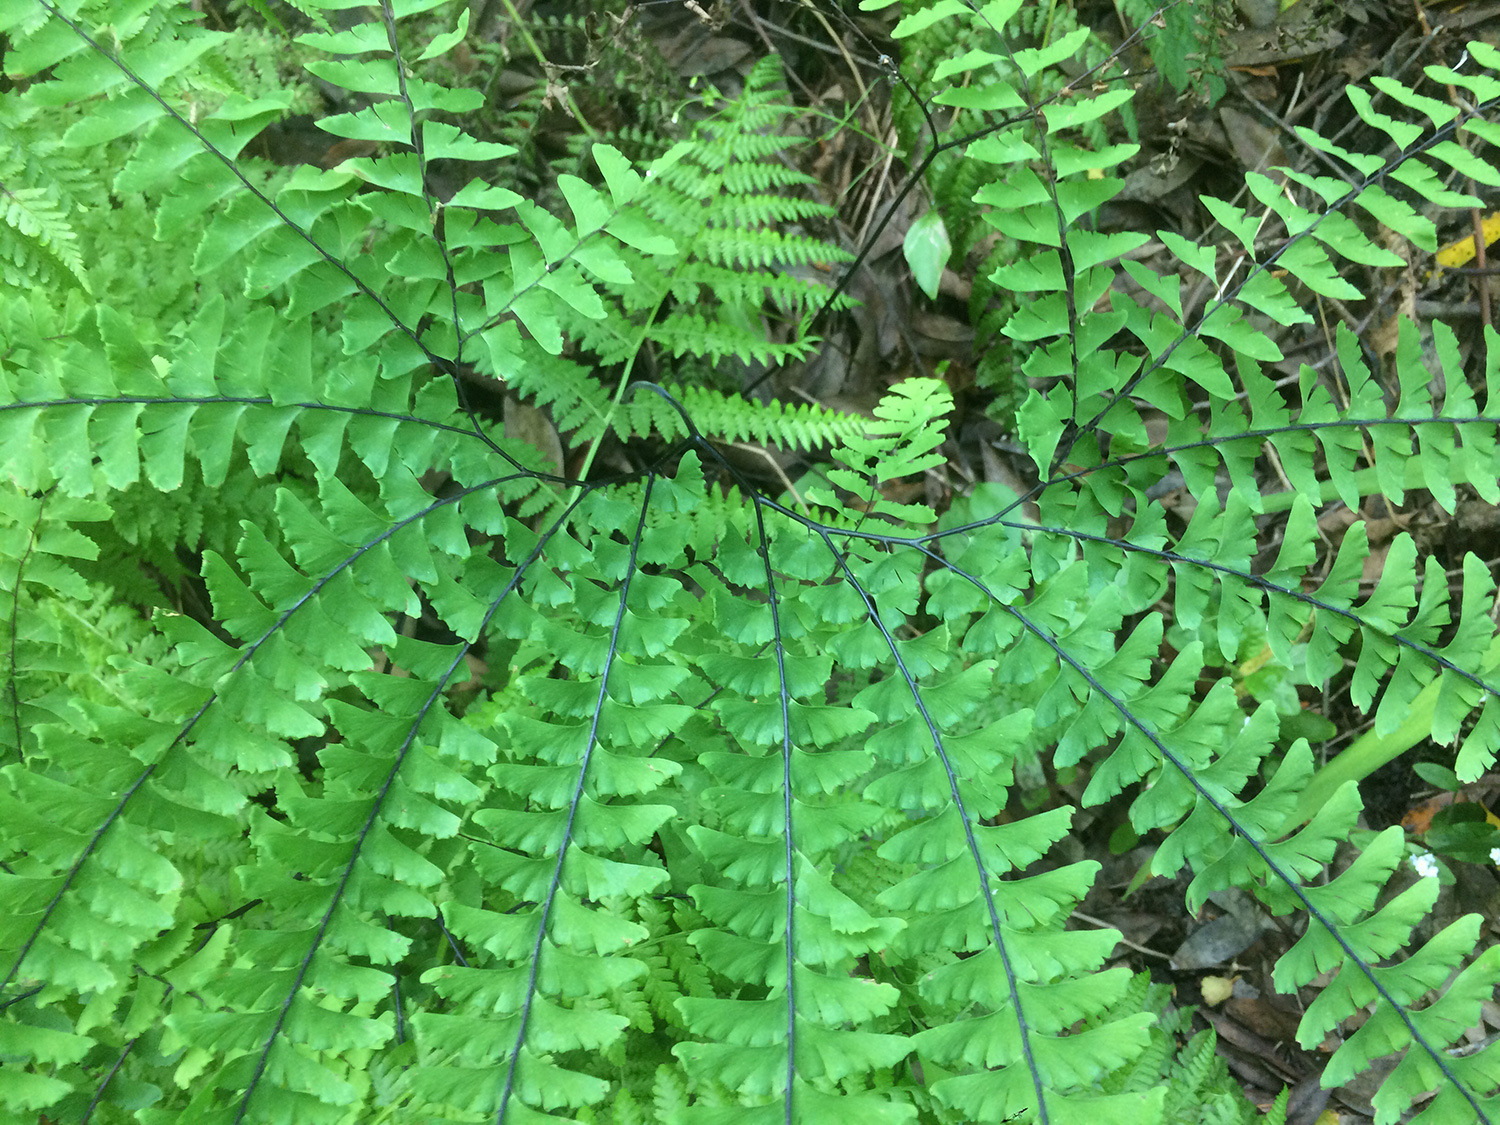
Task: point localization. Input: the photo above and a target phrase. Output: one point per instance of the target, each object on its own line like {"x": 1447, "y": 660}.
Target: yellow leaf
{"x": 1216, "y": 990}
{"x": 1458, "y": 252}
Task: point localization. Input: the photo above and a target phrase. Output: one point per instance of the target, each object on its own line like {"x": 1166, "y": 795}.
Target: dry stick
{"x": 885, "y": 175}
{"x": 1125, "y": 941}
{"x": 859, "y": 82}
{"x": 763, "y": 452}
{"x": 1285, "y": 126}
{"x": 1481, "y": 261}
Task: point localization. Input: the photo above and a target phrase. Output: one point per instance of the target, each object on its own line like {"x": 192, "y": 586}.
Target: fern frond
{"x": 40, "y": 245}
{"x": 726, "y": 418}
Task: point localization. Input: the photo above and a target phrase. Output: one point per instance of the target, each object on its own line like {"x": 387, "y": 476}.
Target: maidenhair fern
{"x": 454, "y": 789}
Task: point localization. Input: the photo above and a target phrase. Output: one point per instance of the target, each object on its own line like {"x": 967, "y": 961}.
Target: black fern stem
{"x": 377, "y": 814}
{"x": 789, "y": 852}
{"x": 921, "y": 542}
{"x": 209, "y": 147}
{"x": 187, "y": 728}
{"x": 555, "y": 882}
{"x": 1227, "y": 297}
{"x": 1439, "y": 1057}
{"x": 935, "y": 149}
{"x": 1038, "y": 1084}
{"x": 872, "y": 613}
{"x": 521, "y": 473}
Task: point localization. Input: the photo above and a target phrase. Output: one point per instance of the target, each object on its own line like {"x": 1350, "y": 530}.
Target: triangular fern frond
{"x": 40, "y": 245}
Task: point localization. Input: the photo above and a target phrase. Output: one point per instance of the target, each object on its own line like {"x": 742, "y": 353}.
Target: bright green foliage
{"x": 999, "y": 75}
{"x": 701, "y": 804}
{"x": 1199, "y": 1089}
